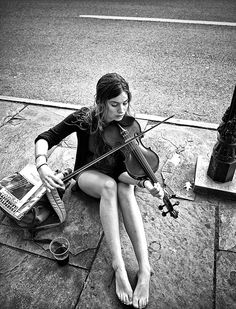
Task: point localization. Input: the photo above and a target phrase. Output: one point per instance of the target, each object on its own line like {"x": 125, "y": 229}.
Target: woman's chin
{"x": 119, "y": 117}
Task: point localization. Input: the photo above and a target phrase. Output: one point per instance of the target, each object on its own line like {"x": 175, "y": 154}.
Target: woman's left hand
{"x": 155, "y": 190}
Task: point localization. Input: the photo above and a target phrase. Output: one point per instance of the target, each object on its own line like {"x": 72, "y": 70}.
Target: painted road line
{"x": 162, "y": 20}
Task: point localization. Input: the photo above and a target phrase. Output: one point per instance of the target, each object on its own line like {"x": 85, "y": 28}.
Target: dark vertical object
{"x": 223, "y": 159}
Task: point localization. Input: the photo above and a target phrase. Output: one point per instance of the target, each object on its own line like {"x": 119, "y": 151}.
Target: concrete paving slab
{"x": 227, "y": 225}
{"x": 17, "y": 136}
{"x": 203, "y": 183}
{"x": 30, "y": 281}
{"x": 82, "y": 228}
{"x": 9, "y": 111}
{"x": 226, "y": 281}
{"x": 99, "y": 292}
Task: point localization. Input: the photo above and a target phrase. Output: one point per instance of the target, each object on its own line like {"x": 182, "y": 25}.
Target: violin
{"x": 141, "y": 162}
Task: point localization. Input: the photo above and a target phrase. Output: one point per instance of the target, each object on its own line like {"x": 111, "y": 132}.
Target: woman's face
{"x": 116, "y": 107}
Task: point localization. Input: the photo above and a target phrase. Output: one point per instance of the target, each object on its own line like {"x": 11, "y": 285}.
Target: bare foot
{"x": 141, "y": 292}
{"x": 123, "y": 288}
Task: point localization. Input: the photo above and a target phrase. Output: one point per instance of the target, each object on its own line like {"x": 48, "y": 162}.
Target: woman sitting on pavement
{"x": 107, "y": 180}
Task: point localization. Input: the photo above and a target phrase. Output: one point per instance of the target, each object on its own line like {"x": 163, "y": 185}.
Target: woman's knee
{"x": 109, "y": 187}
{"x": 125, "y": 191}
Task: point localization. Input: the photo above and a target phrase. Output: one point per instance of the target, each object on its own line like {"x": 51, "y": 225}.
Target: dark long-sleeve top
{"x": 113, "y": 165}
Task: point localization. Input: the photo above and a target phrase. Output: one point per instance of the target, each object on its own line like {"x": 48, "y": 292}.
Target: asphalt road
{"x": 48, "y": 52}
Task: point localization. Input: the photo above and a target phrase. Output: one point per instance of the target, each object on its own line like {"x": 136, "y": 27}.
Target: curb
{"x": 173, "y": 121}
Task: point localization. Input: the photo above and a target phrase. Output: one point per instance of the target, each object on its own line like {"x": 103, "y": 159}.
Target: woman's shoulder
{"x": 82, "y": 118}
{"x": 82, "y": 111}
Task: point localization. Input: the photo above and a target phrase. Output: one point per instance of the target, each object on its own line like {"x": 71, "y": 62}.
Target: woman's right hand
{"x": 49, "y": 179}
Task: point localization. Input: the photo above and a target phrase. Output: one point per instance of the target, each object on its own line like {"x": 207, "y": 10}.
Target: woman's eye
{"x": 116, "y": 104}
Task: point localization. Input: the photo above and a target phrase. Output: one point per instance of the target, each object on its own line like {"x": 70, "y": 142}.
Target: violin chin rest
{"x": 127, "y": 121}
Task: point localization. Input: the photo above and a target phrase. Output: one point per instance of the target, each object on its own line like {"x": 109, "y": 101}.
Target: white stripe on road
{"x": 162, "y": 20}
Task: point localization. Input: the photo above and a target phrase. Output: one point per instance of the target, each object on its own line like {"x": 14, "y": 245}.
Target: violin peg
{"x": 160, "y": 207}
{"x": 164, "y": 213}
{"x": 176, "y": 203}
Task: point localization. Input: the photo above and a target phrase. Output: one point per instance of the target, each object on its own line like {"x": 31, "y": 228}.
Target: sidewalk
{"x": 193, "y": 257}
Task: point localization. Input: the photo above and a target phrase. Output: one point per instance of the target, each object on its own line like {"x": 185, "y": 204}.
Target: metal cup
{"x": 59, "y": 247}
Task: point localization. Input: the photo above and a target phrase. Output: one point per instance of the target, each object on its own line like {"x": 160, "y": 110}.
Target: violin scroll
{"x": 170, "y": 207}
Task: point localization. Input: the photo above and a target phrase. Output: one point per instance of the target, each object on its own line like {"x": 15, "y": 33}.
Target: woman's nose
{"x": 121, "y": 108}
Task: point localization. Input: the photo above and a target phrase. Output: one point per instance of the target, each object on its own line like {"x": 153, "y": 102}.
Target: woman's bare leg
{"x": 101, "y": 186}
{"x": 135, "y": 229}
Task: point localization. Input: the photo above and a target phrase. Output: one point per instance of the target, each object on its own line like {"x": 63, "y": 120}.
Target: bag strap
{"x": 59, "y": 208}
{"x": 57, "y": 204}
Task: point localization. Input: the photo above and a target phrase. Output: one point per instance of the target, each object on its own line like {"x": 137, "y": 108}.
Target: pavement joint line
{"x": 173, "y": 121}
{"x": 89, "y": 270}
{"x": 216, "y": 250}
{"x": 9, "y": 118}
{"x": 162, "y": 20}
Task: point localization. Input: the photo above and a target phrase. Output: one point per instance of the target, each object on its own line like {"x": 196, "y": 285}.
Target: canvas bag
{"x": 45, "y": 209}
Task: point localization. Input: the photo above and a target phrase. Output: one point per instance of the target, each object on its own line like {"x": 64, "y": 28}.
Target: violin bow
{"x": 113, "y": 150}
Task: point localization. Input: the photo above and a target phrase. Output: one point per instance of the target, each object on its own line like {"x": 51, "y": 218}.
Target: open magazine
{"x": 20, "y": 191}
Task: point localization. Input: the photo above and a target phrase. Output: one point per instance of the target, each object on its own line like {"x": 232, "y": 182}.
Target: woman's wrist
{"x": 40, "y": 160}
{"x": 141, "y": 183}
{"x": 38, "y": 166}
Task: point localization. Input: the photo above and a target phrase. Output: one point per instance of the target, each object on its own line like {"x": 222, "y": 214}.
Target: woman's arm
{"x": 47, "y": 139}
{"x": 48, "y": 177}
